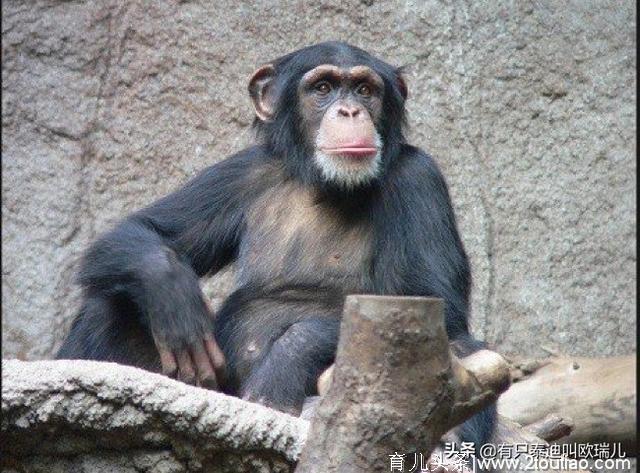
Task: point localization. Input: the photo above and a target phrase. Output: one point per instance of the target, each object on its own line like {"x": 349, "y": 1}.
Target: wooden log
{"x": 552, "y": 427}
{"x": 597, "y": 394}
{"x": 395, "y": 386}
{"x": 509, "y": 432}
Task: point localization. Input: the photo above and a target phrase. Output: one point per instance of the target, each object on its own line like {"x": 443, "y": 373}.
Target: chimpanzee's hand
{"x": 182, "y": 328}
{"x": 200, "y": 363}
{"x": 180, "y": 321}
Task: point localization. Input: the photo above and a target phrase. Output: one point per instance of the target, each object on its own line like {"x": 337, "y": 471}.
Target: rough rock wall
{"x": 529, "y": 107}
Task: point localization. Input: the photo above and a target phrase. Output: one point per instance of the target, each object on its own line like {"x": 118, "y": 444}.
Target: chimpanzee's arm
{"x": 422, "y": 253}
{"x": 432, "y": 260}
{"x": 155, "y": 257}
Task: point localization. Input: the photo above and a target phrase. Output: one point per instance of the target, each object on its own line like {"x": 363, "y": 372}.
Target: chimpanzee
{"x": 331, "y": 201}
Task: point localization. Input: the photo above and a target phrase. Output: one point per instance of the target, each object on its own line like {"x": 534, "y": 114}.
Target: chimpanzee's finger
{"x": 204, "y": 368}
{"x": 186, "y": 372}
{"x": 168, "y": 362}
{"x": 217, "y": 358}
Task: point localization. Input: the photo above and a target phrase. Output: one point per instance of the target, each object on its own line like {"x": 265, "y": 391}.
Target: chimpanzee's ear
{"x": 262, "y": 93}
{"x": 402, "y": 85}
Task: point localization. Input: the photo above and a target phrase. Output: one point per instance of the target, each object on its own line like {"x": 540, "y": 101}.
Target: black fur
{"x": 279, "y": 328}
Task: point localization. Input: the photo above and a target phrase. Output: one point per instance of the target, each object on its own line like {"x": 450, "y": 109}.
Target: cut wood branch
{"x": 395, "y": 386}
{"x": 597, "y": 394}
{"x": 509, "y": 432}
{"x": 478, "y": 379}
{"x": 552, "y": 427}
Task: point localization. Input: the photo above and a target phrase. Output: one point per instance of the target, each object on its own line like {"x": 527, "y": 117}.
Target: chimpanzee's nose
{"x": 349, "y": 111}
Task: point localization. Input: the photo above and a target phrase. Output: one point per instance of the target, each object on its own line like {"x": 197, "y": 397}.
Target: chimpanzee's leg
{"x": 288, "y": 371}
{"x": 106, "y": 330}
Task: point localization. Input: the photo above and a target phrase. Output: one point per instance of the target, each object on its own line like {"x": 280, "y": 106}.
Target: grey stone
{"x": 528, "y": 107}
{"x": 88, "y": 416}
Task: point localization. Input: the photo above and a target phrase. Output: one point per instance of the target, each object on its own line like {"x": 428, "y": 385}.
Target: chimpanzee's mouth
{"x": 352, "y": 151}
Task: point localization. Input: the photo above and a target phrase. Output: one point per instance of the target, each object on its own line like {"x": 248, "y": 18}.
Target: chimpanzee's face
{"x": 332, "y": 112}
{"x": 340, "y": 109}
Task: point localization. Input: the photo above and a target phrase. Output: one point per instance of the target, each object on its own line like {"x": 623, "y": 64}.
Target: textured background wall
{"x": 529, "y": 107}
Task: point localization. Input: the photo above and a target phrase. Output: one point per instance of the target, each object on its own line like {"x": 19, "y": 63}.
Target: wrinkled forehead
{"x": 353, "y": 74}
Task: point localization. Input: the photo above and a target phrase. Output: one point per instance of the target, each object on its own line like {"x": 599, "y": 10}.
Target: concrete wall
{"x": 529, "y": 107}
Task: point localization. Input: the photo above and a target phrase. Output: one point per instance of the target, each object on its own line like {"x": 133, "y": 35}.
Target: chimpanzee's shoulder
{"x": 247, "y": 166}
{"x": 256, "y": 156}
{"x": 414, "y": 165}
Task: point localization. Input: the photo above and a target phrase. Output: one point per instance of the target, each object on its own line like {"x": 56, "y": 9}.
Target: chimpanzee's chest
{"x": 295, "y": 237}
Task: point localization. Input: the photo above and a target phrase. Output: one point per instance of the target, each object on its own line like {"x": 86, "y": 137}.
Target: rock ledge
{"x": 95, "y": 416}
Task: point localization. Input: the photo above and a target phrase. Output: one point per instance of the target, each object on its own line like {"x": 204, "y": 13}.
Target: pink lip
{"x": 352, "y": 151}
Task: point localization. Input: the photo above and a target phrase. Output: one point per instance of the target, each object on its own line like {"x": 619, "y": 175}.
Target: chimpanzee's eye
{"x": 323, "y": 87}
{"x": 364, "y": 90}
